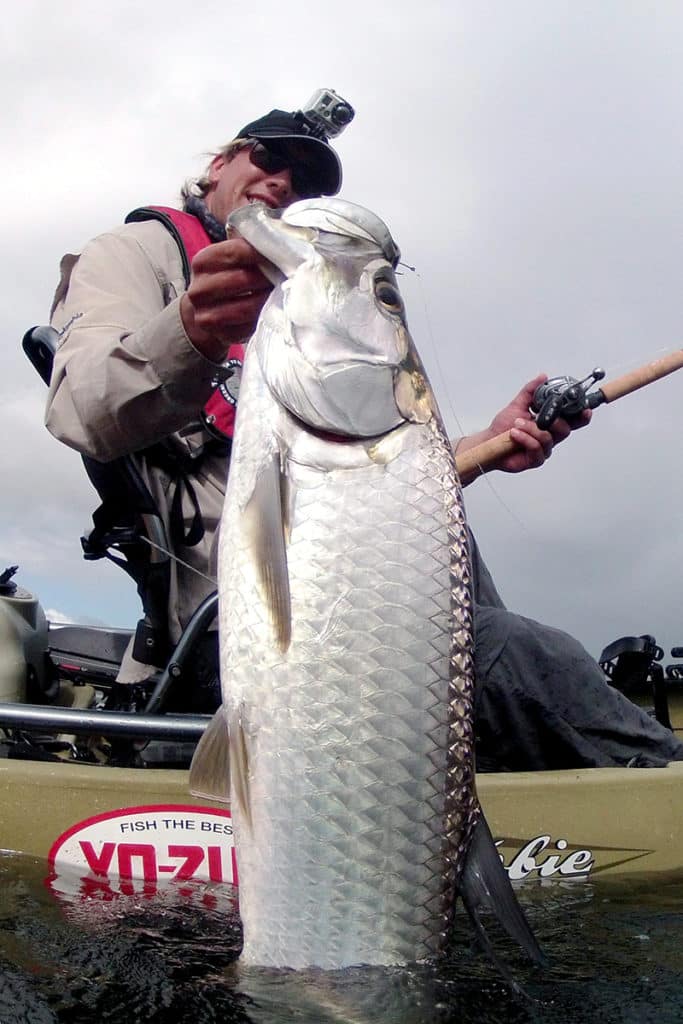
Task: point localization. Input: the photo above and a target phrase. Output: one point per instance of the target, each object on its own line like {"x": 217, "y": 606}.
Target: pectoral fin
{"x": 239, "y": 766}
{"x": 210, "y": 768}
{"x": 265, "y": 530}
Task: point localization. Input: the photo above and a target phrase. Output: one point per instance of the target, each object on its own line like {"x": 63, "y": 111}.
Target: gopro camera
{"x": 328, "y": 112}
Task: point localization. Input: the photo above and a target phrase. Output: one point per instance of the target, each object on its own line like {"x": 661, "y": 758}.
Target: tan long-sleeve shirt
{"x": 126, "y": 376}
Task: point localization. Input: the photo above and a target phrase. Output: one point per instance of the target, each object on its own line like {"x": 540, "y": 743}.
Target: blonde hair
{"x": 200, "y": 187}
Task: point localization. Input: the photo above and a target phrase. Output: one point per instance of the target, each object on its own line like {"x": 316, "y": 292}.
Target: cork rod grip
{"x": 643, "y": 375}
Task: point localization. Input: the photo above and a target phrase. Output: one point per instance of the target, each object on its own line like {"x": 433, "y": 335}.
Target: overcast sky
{"x": 528, "y": 158}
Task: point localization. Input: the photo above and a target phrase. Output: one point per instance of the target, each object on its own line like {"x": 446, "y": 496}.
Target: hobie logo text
{"x": 543, "y": 857}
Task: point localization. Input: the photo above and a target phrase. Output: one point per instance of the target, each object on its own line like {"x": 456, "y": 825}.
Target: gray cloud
{"x": 527, "y": 157}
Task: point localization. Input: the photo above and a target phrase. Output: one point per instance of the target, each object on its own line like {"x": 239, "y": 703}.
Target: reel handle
{"x": 565, "y": 396}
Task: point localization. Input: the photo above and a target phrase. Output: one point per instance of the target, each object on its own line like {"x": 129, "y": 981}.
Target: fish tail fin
{"x": 484, "y": 885}
{"x": 210, "y": 768}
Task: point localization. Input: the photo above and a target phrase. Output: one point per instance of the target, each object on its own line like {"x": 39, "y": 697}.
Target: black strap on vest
{"x": 180, "y": 468}
{"x": 120, "y": 524}
{"x": 149, "y": 213}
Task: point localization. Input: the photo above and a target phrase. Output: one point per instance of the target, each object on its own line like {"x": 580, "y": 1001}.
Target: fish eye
{"x": 389, "y": 295}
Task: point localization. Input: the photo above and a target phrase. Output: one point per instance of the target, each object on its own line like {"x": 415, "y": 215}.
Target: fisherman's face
{"x": 237, "y": 182}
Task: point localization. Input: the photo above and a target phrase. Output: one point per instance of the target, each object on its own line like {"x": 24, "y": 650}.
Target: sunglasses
{"x": 272, "y": 160}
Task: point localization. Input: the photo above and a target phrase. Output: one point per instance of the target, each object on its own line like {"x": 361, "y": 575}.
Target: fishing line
{"x": 463, "y": 433}
{"x": 175, "y": 558}
{"x": 632, "y": 364}
{"x": 435, "y": 353}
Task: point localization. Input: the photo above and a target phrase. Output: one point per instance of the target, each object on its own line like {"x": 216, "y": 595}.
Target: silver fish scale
{"x": 364, "y": 725}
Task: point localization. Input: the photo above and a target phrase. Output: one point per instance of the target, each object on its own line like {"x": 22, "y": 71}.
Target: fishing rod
{"x": 567, "y": 397}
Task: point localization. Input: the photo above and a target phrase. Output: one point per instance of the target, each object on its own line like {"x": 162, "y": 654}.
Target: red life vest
{"x": 218, "y": 414}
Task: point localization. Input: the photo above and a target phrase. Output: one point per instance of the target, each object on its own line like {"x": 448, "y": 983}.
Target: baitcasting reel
{"x": 566, "y": 397}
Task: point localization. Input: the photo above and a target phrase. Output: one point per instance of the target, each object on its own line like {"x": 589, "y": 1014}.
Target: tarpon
{"x": 345, "y": 621}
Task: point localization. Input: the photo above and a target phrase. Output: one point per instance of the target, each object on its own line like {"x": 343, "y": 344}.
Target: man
{"x": 140, "y": 354}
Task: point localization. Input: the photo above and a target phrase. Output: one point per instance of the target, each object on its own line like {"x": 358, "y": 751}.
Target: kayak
{"x": 102, "y": 828}
{"x": 105, "y": 827}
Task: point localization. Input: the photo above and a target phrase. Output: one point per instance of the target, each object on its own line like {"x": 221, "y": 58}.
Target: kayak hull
{"x": 104, "y": 822}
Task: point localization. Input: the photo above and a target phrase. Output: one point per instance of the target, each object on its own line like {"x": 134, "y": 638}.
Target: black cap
{"x": 322, "y": 163}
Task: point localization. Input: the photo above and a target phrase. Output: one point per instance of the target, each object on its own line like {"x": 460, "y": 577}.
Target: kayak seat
{"x": 631, "y": 664}
{"x": 129, "y": 531}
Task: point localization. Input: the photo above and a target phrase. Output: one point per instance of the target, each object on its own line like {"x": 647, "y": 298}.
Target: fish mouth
{"x": 334, "y": 437}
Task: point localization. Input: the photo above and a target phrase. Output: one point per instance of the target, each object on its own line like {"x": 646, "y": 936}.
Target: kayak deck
{"x": 116, "y": 824}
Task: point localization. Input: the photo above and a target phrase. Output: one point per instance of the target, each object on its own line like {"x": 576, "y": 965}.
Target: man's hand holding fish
{"x": 226, "y": 294}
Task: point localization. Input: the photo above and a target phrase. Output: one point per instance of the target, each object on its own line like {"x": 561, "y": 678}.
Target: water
{"x": 616, "y": 952}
